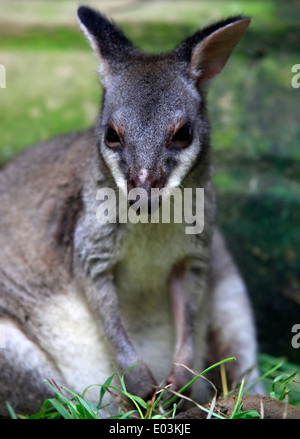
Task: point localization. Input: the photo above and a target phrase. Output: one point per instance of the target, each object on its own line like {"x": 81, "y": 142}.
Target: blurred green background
{"x": 51, "y": 88}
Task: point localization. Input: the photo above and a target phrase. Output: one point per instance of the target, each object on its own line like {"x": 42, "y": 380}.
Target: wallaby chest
{"x": 148, "y": 254}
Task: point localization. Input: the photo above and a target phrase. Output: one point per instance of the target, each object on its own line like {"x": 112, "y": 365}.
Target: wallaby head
{"x": 153, "y": 128}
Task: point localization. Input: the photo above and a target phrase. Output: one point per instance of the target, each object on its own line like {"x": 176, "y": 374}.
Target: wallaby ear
{"x": 108, "y": 41}
{"x": 208, "y": 50}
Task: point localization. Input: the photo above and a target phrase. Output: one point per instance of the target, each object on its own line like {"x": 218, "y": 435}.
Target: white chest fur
{"x": 149, "y": 254}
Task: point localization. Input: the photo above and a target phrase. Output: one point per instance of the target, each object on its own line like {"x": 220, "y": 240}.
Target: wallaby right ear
{"x": 208, "y": 50}
{"x": 108, "y": 41}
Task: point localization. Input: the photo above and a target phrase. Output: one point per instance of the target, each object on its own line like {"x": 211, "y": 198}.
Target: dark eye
{"x": 111, "y": 136}
{"x": 183, "y": 137}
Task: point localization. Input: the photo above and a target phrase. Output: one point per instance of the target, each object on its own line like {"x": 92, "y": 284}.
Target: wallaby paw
{"x": 140, "y": 382}
{"x": 178, "y": 378}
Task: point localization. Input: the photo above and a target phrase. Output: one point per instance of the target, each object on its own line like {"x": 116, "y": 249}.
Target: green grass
{"x": 45, "y": 96}
{"x": 281, "y": 379}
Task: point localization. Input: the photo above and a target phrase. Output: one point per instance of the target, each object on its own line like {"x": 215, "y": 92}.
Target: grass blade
{"x": 71, "y": 406}
{"x": 238, "y": 402}
{"x": 59, "y": 406}
{"x": 11, "y": 411}
{"x": 103, "y": 389}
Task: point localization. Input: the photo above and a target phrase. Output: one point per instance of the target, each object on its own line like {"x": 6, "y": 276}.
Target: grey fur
{"x": 77, "y": 296}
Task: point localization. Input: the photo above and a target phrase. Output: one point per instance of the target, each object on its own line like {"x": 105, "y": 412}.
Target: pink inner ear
{"x": 212, "y": 69}
{"x": 210, "y": 56}
{"x": 208, "y": 62}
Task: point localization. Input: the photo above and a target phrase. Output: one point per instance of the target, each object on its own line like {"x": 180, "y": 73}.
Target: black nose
{"x": 146, "y": 179}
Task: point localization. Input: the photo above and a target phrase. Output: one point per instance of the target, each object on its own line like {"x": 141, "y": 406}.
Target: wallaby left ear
{"x": 109, "y": 42}
{"x": 208, "y": 50}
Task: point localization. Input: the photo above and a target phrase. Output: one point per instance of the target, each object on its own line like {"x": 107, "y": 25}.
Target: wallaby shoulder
{"x": 41, "y": 201}
{"x": 51, "y": 161}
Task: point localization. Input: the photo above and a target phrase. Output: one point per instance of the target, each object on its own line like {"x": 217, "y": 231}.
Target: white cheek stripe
{"x": 115, "y": 170}
{"x": 185, "y": 164}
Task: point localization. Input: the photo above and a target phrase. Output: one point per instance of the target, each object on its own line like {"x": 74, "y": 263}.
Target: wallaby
{"x": 80, "y": 297}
